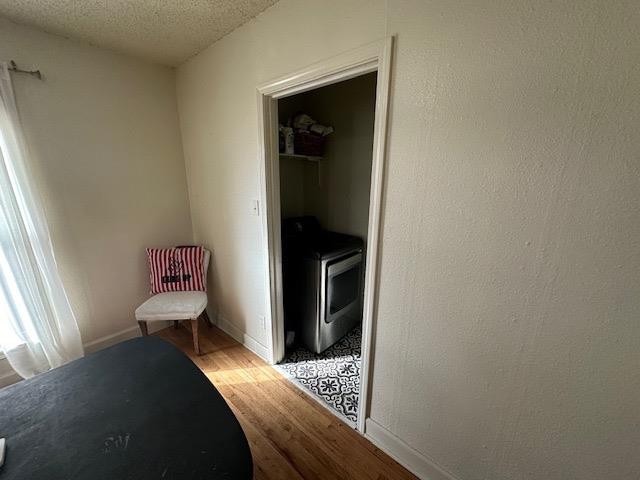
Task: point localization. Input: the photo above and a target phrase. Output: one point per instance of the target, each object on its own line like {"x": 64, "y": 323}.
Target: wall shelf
{"x": 309, "y": 158}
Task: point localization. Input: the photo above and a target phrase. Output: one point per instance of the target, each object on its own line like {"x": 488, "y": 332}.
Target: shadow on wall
{"x": 335, "y": 190}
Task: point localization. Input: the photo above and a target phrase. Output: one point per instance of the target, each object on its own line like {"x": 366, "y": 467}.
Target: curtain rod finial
{"x": 14, "y": 68}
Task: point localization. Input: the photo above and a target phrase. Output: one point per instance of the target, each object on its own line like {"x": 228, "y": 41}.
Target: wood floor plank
{"x": 291, "y": 436}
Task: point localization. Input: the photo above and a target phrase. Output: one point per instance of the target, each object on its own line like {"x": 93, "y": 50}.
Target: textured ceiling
{"x": 167, "y": 32}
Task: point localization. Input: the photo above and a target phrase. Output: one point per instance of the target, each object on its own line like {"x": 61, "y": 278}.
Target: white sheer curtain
{"x": 38, "y": 330}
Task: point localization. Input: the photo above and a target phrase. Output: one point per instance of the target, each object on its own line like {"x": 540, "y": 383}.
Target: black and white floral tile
{"x": 334, "y": 375}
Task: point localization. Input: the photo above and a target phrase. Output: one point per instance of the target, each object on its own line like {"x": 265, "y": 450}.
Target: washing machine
{"x": 322, "y": 280}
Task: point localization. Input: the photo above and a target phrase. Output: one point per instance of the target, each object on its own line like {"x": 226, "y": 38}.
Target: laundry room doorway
{"x": 323, "y": 148}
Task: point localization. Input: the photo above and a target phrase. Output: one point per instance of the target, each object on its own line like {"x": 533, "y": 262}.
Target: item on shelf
{"x": 320, "y": 129}
{"x": 302, "y": 121}
{"x": 287, "y": 143}
{"x": 309, "y": 135}
{"x": 307, "y": 143}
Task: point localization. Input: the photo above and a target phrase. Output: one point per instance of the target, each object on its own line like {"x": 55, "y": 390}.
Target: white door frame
{"x": 369, "y": 58}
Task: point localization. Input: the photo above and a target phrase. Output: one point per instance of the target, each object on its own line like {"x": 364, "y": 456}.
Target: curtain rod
{"x": 14, "y": 68}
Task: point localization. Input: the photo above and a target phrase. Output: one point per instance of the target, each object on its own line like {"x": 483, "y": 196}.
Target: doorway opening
{"x": 323, "y": 145}
{"x": 325, "y": 155}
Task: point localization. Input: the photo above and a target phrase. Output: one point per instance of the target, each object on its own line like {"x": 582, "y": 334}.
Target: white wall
{"x": 336, "y": 191}
{"x": 107, "y": 154}
{"x": 218, "y": 117}
{"x": 507, "y": 339}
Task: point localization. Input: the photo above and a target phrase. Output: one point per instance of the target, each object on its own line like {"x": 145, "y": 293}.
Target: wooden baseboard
{"x": 247, "y": 340}
{"x": 412, "y": 460}
{"x": 121, "y": 336}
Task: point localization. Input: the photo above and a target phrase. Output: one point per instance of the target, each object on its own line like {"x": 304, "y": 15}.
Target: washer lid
{"x": 333, "y": 244}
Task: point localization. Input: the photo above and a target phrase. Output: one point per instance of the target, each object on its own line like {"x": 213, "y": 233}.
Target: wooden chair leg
{"x": 207, "y": 319}
{"x": 143, "y": 328}
{"x": 176, "y": 324}
{"x": 194, "y": 331}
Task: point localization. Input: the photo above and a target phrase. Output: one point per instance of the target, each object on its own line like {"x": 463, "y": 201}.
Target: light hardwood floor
{"x": 291, "y": 436}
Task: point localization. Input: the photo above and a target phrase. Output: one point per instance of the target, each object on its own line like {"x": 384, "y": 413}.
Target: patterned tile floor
{"x": 334, "y": 375}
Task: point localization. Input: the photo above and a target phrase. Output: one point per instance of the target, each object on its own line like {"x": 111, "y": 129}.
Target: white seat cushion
{"x": 172, "y": 306}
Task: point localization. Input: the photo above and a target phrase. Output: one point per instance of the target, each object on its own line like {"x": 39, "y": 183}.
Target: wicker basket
{"x": 307, "y": 143}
